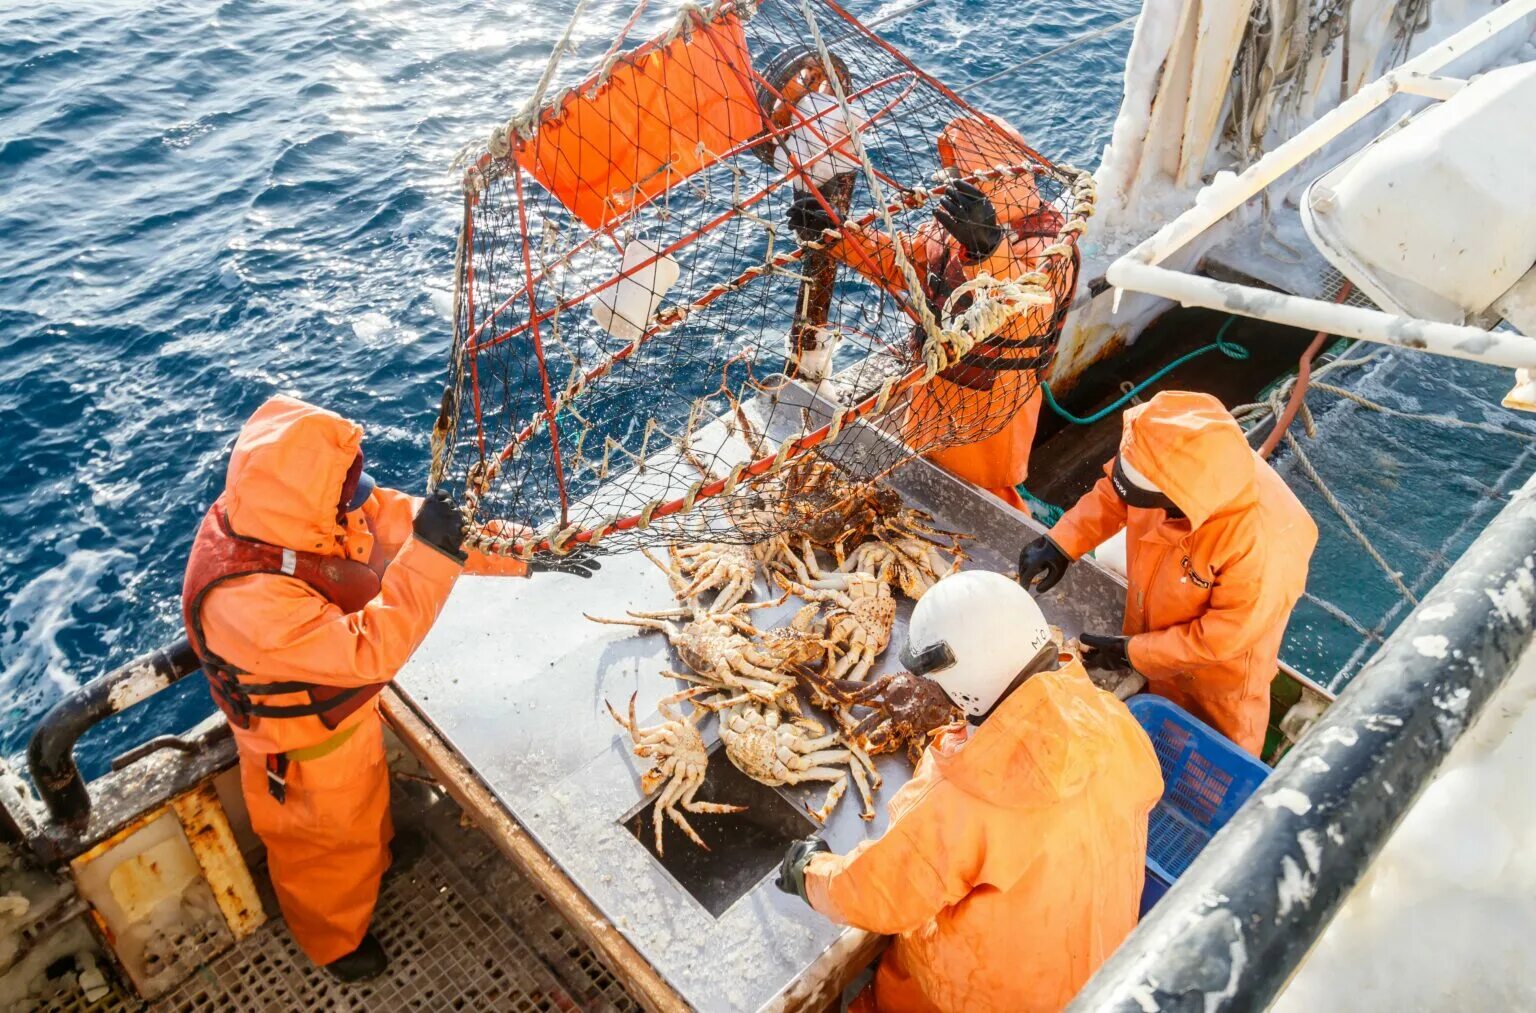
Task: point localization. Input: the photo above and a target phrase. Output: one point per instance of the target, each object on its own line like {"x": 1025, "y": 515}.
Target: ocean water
{"x": 205, "y": 204}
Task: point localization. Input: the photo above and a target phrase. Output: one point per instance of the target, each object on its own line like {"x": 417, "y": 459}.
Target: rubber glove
{"x": 1041, "y": 558}
{"x": 809, "y": 219}
{"x": 967, "y": 214}
{"x": 1101, "y": 652}
{"x": 440, "y": 524}
{"x": 792, "y": 870}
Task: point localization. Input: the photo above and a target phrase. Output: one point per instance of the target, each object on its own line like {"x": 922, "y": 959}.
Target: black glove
{"x": 1101, "y": 652}
{"x": 809, "y": 219}
{"x": 792, "y": 870}
{"x": 577, "y": 562}
{"x": 1041, "y": 558}
{"x": 967, "y": 214}
{"x": 440, "y": 524}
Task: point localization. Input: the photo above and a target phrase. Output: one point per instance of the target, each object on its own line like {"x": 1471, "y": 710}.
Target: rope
{"x": 1439, "y": 420}
{"x": 522, "y": 123}
{"x": 1230, "y": 349}
{"x": 1349, "y": 522}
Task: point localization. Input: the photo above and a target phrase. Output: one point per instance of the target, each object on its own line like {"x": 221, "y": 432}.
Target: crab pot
{"x": 743, "y": 847}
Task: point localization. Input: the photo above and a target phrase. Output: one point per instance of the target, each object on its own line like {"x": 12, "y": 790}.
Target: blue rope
{"x": 1230, "y": 349}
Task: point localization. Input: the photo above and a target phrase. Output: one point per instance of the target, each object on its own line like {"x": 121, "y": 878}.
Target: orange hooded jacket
{"x": 1210, "y": 593}
{"x": 327, "y": 843}
{"x": 1007, "y": 406}
{"x": 1015, "y": 856}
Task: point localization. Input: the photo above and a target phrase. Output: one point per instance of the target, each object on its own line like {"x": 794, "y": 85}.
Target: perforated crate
{"x": 1206, "y": 778}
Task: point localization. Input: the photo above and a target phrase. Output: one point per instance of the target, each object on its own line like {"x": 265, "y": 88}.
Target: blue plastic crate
{"x": 1205, "y": 779}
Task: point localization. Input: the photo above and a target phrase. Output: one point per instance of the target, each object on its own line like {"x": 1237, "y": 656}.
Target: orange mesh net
{"x": 652, "y": 346}
{"x": 670, "y": 109}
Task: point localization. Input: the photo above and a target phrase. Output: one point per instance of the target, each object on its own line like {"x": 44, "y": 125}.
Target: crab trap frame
{"x": 628, "y": 277}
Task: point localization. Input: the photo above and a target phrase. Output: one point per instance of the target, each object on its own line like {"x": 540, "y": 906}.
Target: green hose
{"x": 1230, "y": 349}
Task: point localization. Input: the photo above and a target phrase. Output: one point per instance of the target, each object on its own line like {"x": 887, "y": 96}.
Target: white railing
{"x": 1138, "y": 270}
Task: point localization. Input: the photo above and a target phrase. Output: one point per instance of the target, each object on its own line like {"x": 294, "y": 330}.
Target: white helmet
{"x": 974, "y": 633}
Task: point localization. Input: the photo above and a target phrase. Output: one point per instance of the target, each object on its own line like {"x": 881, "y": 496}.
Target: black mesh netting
{"x": 632, "y": 297}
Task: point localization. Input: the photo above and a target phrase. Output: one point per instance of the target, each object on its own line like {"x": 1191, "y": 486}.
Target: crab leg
{"x": 863, "y": 786}
{"x": 755, "y": 688}
{"x": 706, "y": 807}
{"x": 674, "y": 579}
{"x": 664, "y": 805}
{"x": 640, "y": 620}
{"x": 834, "y": 794}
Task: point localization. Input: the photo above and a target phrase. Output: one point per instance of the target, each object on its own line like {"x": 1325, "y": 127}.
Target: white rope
{"x": 522, "y": 123}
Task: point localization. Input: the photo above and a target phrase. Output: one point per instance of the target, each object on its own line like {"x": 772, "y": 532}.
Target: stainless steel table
{"x": 513, "y": 679}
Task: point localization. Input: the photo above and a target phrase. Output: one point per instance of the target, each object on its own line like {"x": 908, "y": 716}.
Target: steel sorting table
{"x": 513, "y": 679}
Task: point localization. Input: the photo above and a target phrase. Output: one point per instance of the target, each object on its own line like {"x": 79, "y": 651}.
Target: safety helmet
{"x": 975, "y": 633}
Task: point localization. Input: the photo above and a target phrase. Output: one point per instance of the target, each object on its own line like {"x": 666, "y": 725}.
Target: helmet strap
{"x": 1047, "y": 659}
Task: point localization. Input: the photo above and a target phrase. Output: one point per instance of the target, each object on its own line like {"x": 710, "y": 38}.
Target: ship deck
{"x": 464, "y": 929}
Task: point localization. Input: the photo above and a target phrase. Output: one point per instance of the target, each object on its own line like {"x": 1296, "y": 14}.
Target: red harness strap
{"x": 219, "y": 555}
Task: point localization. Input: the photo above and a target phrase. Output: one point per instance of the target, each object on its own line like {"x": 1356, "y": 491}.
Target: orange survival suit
{"x": 310, "y": 641}
{"x": 1210, "y": 593}
{"x": 1014, "y": 860}
{"x": 998, "y": 381}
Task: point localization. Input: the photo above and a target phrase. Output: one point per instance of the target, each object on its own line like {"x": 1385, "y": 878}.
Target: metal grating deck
{"x": 449, "y": 948}
{"x": 464, "y": 930}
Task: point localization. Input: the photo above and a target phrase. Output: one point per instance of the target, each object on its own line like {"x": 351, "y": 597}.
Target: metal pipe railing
{"x": 1237, "y": 924}
{"x": 1138, "y": 269}
{"x": 51, "y": 752}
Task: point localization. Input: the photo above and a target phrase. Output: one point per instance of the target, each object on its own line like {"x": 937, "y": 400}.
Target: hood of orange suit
{"x": 1041, "y": 745}
{"x": 1192, "y": 449}
{"x": 286, "y": 473}
{"x": 970, "y": 145}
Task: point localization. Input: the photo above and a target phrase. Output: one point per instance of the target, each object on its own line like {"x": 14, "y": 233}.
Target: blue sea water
{"x": 204, "y": 204}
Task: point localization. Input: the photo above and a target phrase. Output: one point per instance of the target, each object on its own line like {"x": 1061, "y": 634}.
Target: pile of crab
{"x": 856, "y": 547}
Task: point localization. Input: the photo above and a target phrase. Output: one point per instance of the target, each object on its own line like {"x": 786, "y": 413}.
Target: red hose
{"x": 1303, "y": 380}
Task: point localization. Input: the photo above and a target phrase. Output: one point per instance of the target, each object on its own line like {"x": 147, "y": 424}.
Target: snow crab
{"x": 906, "y": 710}
{"x": 774, "y": 749}
{"x": 680, "y": 759}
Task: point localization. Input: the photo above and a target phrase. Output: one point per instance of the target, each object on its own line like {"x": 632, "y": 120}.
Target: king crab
{"x": 859, "y": 622}
{"x": 773, "y": 750}
{"x": 906, "y": 710}
{"x": 728, "y": 570}
{"x": 716, "y": 646}
{"x": 680, "y": 759}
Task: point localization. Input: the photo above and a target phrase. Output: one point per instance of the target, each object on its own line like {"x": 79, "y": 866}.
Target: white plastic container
{"x": 625, "y": 309}
{"x": 824, "y": 138}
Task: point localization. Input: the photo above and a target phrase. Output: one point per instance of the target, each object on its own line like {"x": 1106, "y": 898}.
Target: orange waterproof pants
{"x": 999, "y": 462}
{"x": 328, "y": 843}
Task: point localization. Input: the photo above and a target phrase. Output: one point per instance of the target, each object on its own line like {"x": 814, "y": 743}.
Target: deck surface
{"x": 464, "y": 930}
{"x": 514, "y": 679}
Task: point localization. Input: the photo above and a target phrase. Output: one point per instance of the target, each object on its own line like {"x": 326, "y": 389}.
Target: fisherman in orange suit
{"x": 1015, "y": 857}
{"x": 1217, "y": 548}
{"x": 307, "y": 589}
{"x": 984, "y": 409}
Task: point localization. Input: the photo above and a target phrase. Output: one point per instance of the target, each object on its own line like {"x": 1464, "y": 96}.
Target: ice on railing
{"x": 1446, "y": 916}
